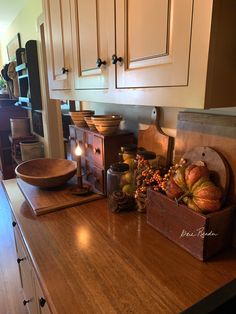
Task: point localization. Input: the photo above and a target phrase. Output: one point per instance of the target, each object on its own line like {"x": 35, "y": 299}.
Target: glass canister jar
{"x": 120, "y": 191}
{"x": 128, "y": 154}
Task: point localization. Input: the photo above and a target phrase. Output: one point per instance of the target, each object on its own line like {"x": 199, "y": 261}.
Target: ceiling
{"x": 8, "y": 11}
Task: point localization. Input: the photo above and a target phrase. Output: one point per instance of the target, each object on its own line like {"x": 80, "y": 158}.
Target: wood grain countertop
{"x": 90, "y": 260}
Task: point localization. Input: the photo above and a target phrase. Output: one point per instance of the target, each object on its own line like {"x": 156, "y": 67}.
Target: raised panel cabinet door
{"x": 25, "y": 270}
{"x": 92, "y": 26}
{"x": 153, "y": 39}
{"x": 59, "y": 43}
{"x": 41, "y": 302}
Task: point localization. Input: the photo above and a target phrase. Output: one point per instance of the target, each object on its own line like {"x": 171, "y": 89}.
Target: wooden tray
{"x": 43, "y": 201}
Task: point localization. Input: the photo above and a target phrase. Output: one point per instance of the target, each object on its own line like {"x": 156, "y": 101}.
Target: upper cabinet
{"x": 153, "y": 40}
{"x": 59, "y": 43}
{"x": 92, "y": 22}
{"x": 178, "y": 53}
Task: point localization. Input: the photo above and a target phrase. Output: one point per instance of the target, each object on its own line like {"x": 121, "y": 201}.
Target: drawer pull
{"x": 115, "y": 59}
{"x": 64, "y": 70}
{"x": 100, "y": 62}
{"x": 20, "y": 260}
{"x": 42, "y": 302}
{"x": 25, "y": 302}
{"x": 13, "y": 224}
{"x": 97, "y": 151}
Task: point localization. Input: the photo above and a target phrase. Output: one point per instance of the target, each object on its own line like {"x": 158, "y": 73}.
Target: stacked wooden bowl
{"x": 78, "y": 117}
{"x": 90, "y": 123}
{"x": 107, "y": 124}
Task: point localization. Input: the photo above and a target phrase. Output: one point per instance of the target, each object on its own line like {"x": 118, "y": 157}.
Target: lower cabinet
{"x": 33, "y": 298}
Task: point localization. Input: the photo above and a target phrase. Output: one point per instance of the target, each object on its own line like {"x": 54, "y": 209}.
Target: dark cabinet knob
{"x": 42, "y": 302}
{"x": 64, "y": 70}
{"x": 20, "y": 260}
{"x": 99, "y": 62}
{"x": 97, "y": 151}
{"x": 13, "y": 224}
{"x": 115, "y": 59}
{"x": 25, "y": 302}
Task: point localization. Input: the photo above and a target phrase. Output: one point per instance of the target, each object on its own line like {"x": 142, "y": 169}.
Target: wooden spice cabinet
{"x": 99, "y": 152}
{"x": 34, "y": 299}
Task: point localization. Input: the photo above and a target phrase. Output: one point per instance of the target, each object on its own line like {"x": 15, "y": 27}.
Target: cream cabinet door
{"x": 59, "y": 43}
{"x": 26, "y": 274}
{"x": 42, "y": 306}
{"x": 92, "y": 27}
{"x": 153, "y": 38}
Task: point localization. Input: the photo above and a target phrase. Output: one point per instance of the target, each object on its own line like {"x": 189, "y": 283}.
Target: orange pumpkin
{"x": 192, "y": 185}
{"x": 204, "y": 196}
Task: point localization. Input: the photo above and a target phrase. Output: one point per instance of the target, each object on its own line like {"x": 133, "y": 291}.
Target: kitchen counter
{"x": 89, "y": 260}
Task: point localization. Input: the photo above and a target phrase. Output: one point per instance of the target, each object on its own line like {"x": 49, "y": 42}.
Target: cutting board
{"x": 43, "y": 201}
{"x": 215, "y": 131}
{"x": 155, "y": 140}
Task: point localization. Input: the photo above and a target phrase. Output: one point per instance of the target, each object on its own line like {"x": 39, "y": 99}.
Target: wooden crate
{"x": 201, "y": 235}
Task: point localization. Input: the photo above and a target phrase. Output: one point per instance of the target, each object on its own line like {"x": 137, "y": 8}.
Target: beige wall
{"x": 139, "y": 117}
{"x": 25, "y": 23}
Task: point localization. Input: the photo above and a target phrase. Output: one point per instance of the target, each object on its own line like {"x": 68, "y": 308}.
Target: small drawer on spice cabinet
{"x": 72, "y": 132}
{"x": 99, "y": 179}
{"x": 88, "y": 145}
{"x": 98, "y": 150}
{"x": 95, "y": 176}
{"x": 79, "y": 136}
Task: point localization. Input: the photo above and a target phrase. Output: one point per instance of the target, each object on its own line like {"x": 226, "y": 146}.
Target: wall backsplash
{"x": 137, "y": 117}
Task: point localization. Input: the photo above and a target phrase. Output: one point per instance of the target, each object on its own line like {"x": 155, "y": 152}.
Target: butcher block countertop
{"x": 89, "y": 260}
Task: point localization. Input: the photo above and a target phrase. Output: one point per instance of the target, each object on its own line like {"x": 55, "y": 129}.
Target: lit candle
{"x": 78, "y": 153}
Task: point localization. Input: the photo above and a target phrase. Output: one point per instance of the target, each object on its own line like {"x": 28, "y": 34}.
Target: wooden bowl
{"x": 107, "y": 124}
{"x": 90, "y": 123}
{"x": 46, "y": 172}
{"x": 78, "y": 117}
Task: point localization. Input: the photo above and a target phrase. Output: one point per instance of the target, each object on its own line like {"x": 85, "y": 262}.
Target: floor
{"x": 10, "y": 289}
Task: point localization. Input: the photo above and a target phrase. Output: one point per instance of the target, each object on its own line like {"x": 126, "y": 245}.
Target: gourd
{"x": 192, "y": 185}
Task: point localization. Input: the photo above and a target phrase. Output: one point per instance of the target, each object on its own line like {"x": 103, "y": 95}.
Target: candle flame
{"x": 78, "y": 150}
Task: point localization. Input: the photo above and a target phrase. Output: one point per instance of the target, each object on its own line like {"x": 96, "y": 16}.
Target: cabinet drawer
{"x": 41, "y": 302}
{"x": 88, "y": 146}
{"x": 72, "y": 131}
{"x": 26, "y": 273}
{"x": 95, "y": 176}
{"x": 98, "y": 151}
{"x": 79, "y": 137}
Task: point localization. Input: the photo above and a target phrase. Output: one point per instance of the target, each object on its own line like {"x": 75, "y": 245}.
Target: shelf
{"x": 29, "y": 84}
{"x": 26, "y": 107}
{"x": 21, "y": 67}
{"x": 23, "y": 76}
{"x": 24, "y": 99}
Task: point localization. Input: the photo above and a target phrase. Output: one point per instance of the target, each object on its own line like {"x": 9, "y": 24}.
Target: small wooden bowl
{"x": 78, "y": 117}
{"x": 46, "y": 172}
{"x": 90, "y": 123}
{"x": 107, "y": 124}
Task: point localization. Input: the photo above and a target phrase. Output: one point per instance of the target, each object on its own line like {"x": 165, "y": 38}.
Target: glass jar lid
{"x": 146, "y": 154}
{"x": 129, "y": 148}
{"x": 119, "y": 167}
